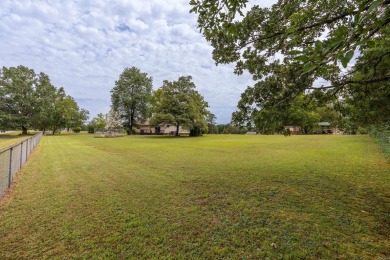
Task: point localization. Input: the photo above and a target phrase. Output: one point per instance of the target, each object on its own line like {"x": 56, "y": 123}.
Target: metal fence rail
{"x": 13, "y": 158}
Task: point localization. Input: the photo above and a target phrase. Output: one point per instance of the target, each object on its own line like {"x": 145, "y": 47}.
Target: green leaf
{"x": 336, "y": 43}
{"x": 379, "y": 23}
{"x": 356, "y": 19}
{"x": 302, "y": 58}
{"x": 347, "y": 57}
{"x": 293, "y": 52}
{"x": 308, "y": 68}
{"x": 341, "y": 32}
{"x": 370, "y": 44}
{"x": 318, "y": 46}
{"x": 344, "y": 62}
{"x": 375, "y": 4}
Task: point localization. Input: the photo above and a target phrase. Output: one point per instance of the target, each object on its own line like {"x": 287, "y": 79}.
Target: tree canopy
{"x": 294, "y": 43}
{"x": 28, "y": 100}
{"x": 131, "y": 96}
{"x": 178, "y": 103}
{"x": 370, "y": 103}
{"x": 17, "y": 88}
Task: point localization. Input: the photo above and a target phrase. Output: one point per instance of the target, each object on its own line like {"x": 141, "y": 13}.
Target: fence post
{"x": 26, "y": 150}
{"x": 21, "y": 154}
{"x": 10, "y": 168}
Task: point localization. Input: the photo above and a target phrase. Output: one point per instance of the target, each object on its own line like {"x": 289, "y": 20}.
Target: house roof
{"x": 324, "y": 124}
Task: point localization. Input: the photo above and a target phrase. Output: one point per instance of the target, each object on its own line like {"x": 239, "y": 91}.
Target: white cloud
{"x": 84, "y": 45}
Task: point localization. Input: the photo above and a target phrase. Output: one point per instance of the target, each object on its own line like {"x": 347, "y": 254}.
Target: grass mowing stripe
{"x": 210, "y": 197}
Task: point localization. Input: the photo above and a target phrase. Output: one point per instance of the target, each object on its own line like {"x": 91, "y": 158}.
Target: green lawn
{"x": 223, "y": 196}
{"x": 10, "y": 139}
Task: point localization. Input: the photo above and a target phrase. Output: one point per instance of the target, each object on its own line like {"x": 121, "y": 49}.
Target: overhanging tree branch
{"x": 362, "y": 82}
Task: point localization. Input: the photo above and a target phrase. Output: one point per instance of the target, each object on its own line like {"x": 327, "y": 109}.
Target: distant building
{"x": 337, "y": 131}
{"x": 144, "y": 128}
{"x": 323, "y": 128}
{"x": 294, "y": 130}
{"x": 324, "y": 124}
{"x": 251, "y": 133}
{"x": 326, "y": 128}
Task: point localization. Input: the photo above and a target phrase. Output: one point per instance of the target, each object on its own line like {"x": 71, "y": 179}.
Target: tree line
{"x": 30, "y": 101}
{"x": 175, "y": 103}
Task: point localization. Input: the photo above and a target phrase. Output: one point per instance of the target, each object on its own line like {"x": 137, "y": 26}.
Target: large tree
{"x": 293, "y": 43}
{"x": 131, "y": 96}
{"x": 45, "y": 99}
{"x": 304, "y": 112}
{"x": 17, "y": 99}
{"x": 178, "y": 103}
{"x": 66, "y": 113}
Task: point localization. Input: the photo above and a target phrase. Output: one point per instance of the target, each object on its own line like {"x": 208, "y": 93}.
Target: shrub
{"x": 90, "y": 129}
{"x": 362, "y": 131}
{"x": 76, "y": 130}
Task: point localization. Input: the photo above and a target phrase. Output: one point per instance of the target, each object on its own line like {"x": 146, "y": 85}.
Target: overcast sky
{"x": 85, "y": 45}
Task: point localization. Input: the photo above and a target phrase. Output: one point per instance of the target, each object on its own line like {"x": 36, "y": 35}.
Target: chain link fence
{"x": 382, "y": 134}
{"x": 13, "y": 158}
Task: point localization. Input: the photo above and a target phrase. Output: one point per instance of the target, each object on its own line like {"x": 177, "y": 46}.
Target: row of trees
{"x": 294, "y": 43}
{"x": 174, "y": 103}
{"x": 304, "y": 112}
{"x": 29, "y": 101}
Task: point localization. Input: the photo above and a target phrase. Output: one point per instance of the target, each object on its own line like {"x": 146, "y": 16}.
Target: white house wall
{"x": 165, "y": 129}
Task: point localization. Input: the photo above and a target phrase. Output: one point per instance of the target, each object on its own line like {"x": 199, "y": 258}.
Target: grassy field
{"x": 223, "y": 196}
{"x": 10, "y": 139}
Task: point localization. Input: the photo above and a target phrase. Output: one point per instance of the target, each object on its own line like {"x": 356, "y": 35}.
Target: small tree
{"x": 113, "y": 120}
{"x": 98, "y": 122}
{"x": 211, "y": 124}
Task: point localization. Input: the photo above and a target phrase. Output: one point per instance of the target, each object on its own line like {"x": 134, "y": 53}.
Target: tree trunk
{"x": 130, "y": 125}
{"x": 24, "y": 130}
{"x": 131, "y": 119}
{"x": 177, "y": 130}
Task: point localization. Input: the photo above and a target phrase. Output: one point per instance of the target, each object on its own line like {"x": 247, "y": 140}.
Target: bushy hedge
{"x": 362, "y": 131}
{"x": 76, "y": 130}
{"x": 91, "y": 129}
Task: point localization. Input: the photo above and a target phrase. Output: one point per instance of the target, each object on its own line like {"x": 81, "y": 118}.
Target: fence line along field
{"x": 13, "y": 158}
{"x": 208, "y": 197}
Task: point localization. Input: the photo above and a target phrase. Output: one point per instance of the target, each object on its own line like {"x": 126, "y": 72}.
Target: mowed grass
{"x": 222, "y": 196}
{"x": 10, "y": 139}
